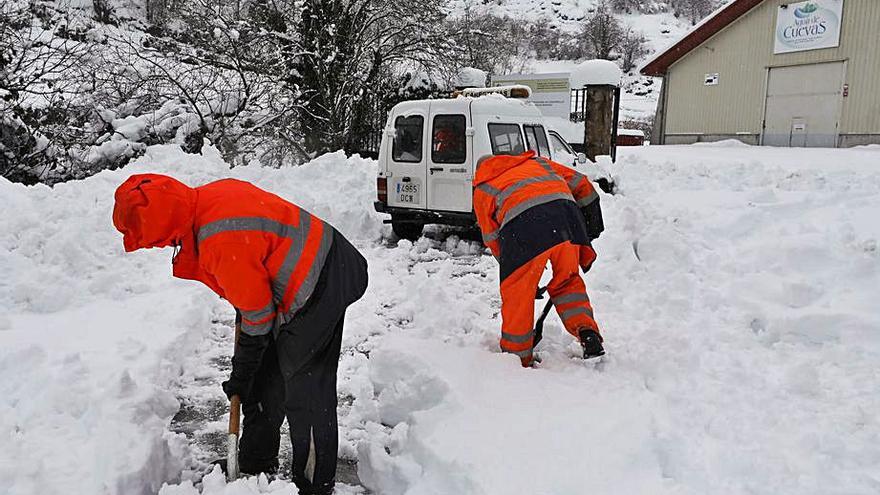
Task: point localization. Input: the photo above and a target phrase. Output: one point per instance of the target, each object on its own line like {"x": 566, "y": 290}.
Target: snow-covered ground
{"x": 736, "y": 287}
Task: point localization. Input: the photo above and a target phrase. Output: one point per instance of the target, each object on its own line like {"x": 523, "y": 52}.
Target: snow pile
{"x": 595, "y": 72}
{"x": 735, "y": 287}
{"x": 470, "y": 77}
{"x": 736, "y": 290}
{"x": 630, "y": 132}
{"x": 93, "y": 340}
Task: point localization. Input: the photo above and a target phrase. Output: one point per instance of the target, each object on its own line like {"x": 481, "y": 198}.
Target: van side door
{"x": 407, "y": 160}
{"x": 450, "y": 164}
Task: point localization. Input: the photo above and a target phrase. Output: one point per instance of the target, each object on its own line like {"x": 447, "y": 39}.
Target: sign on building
{"x": 808, "y": 25}
{"x": 550, "y": 91}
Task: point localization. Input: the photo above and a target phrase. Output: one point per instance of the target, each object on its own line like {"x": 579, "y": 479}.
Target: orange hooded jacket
{"x": 254, "y": 249}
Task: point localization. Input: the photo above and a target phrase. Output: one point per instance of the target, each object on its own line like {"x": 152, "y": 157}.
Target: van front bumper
{"x": 411, "y": 215}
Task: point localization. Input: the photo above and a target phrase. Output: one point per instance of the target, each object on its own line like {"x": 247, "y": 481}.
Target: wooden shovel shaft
{"x": 234, "y": 415}
{"x": 234, "y": 422}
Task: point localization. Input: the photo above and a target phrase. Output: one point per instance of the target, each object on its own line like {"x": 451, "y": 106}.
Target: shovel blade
{"x": 232, "y": 457}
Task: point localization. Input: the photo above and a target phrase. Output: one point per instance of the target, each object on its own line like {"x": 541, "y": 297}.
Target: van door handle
{"x": 435, "y": 169}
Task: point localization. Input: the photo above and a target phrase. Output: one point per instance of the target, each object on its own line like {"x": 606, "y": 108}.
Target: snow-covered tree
{"x": 345, "y": 48}
{"x": 602, "y": 31}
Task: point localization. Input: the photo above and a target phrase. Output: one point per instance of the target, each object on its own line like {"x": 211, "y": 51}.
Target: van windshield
{"x": 407, "y": 146}
{"x": 506, "y": 139}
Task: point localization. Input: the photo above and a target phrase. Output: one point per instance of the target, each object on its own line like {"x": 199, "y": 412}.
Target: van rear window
{"x": 537, "y": 140}
{"x": 407, "y": 146}
{"x": 448, "y": 145}
{"x": 506, "y": 139}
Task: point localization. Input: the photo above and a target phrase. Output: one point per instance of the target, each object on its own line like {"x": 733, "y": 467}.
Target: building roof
{"x": 707, "y": 28}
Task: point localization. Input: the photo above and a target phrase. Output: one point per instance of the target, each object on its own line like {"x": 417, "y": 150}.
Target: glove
{"x": 245, "y": 363}
{"x": 235, "y": 386}
{"x": 586, "y": 257}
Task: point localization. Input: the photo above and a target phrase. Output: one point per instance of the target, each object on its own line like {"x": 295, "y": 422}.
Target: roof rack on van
{"x": 512, "y": 91}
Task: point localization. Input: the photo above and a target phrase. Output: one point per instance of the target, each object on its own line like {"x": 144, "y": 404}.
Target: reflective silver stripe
{"x": 570, "y": 298}
{"x": 258, "y": 328}
{"x": 589, "y": 198}
{"x": 576, "y": 181}
{"x": 298, "y": 236}
{"x": 544, "y": 163}
{"x": 297, "y": 245}
{"x": 260, "y": 314}
{"x": 516, "y": 186}
{"x": 518, "y": 339}
{"x": 488, "y": 189}
{"x": 537, "y": 200}
{"x": 522, "y": 354}
{"x": 568, "y": 313}
{"x": 243, "y": 223}
{"x": 308, "y": 284}
{"x": 491, "y": 236}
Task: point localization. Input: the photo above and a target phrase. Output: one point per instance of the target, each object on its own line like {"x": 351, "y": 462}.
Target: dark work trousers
{"x": 297, "y": 378}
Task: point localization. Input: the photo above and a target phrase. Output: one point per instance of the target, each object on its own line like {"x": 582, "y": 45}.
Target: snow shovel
{"x": 539, "y": 325}
{"x": 234, "y": 423}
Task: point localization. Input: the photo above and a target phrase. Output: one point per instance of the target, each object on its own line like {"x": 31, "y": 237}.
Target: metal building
{"x": 776, "y": 73}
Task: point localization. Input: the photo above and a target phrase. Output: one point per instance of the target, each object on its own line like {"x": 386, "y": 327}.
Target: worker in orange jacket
{"x": 290, "y": 277}
{"x": 530, "y": 211}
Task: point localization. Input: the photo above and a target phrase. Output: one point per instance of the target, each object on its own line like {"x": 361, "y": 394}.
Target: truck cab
{"x": 429, "y": 149}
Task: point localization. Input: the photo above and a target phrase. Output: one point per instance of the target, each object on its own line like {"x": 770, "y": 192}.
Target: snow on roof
{"x": 471, "y": 77}
{"x": 630, "y": 132}
{"x": 724, "y": 15}
{"x": 595, "y": 72}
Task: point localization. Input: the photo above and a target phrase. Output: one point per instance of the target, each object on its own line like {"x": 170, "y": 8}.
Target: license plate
{"x": 409, "y": 192}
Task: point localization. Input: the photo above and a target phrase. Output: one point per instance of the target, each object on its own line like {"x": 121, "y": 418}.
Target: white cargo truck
{"x": 429, "y": 149}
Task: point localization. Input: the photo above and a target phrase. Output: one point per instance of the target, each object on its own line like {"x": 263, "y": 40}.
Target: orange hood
{"x": 153, "y": 210}
{"x": 497, "y": 165}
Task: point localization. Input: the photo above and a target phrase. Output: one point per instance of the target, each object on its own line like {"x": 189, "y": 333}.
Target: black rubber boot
{"x": 591, "y": 342}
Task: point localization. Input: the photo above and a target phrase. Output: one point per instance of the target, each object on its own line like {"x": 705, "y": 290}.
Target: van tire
{"x": 410, "y": 231}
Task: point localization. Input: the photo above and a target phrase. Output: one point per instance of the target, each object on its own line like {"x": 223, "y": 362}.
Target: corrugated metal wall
{"x": 742, "y": 53}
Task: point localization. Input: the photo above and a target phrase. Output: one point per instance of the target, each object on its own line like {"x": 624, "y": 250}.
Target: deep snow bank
{"x": 736, "y": 287}
{"x": 91, "y": 339}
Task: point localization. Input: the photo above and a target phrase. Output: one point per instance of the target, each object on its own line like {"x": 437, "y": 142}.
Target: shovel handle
{"x": 235, "y": 401}
{"x": 234, "y": 421}
{"x": 234, "y": 415}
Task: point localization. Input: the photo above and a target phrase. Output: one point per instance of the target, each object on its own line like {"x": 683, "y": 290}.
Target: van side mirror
{"x": 581, "y": 158}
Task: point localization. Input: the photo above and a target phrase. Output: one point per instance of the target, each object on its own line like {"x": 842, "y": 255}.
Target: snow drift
{"x": 92, "y": 340}
{"x": 735, "y": 287}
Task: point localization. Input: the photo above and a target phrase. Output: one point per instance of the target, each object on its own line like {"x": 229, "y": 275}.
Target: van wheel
{"x": 410, "y": 231}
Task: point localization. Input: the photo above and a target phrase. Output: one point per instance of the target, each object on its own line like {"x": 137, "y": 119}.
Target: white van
{"x": 429, "y": 148}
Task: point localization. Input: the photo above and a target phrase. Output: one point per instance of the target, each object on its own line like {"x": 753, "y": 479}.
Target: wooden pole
{"x": 232, "y": 470}
{"x": 599, "y": 125}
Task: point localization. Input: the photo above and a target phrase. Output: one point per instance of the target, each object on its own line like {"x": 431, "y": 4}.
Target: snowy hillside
{"x": 736, "y": 287}
{"x": 657, "y": 22}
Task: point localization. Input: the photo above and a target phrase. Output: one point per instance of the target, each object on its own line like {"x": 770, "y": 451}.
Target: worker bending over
{"x": 290, "y": 276}
{"x": 532, "y": 210}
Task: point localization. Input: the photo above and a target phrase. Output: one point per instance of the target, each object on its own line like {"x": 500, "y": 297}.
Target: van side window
{"x": 558, "y": 145}
{"x": 407, "y": 146}
{"x": 537, "y": 140}
{"x": 448, "y": 145}
{"x": 506, "y": 139}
